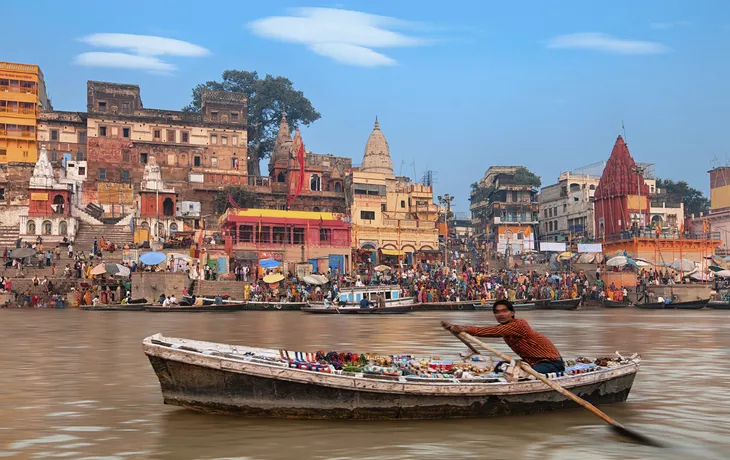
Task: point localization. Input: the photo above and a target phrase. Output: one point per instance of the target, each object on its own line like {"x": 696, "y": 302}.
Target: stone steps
{"x": 8, "y": 236}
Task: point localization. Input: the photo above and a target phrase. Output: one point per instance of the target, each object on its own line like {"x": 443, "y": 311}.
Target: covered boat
{"x": 219, "y": 378}
{"x": 356, "y": 310}
{"x": 353, "y": 296}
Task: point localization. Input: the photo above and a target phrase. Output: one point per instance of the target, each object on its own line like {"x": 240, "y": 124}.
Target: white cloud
{"x": 668, "y": 25}
{"x": 141, "y": 52}
{"x": 146, "y": 45}
{"x": 606, "y": 43}
{"x": 343, "y": 35}
{"x": 124, "y": 61}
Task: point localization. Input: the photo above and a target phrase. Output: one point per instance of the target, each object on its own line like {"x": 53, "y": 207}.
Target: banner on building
{"x": 597, "y": 247}
{"x": 37, "y": 196}
{"x": 114, "y": 193}
{"x": 552, "y": 247}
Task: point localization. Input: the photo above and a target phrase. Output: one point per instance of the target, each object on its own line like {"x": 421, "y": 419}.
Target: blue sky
{"x": 457, "y": 86}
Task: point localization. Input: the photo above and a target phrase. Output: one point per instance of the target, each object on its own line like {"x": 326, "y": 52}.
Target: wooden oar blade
{"x": 634, "y": 436}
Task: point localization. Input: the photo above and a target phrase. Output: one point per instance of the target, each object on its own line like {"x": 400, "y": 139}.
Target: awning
{"x": 392, "y": 252}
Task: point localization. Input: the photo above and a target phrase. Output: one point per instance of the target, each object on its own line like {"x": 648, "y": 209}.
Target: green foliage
{"x": 242, "y": 197}
{"x": 524, "y": 176}
{"x": 267, "y": 98}
{"x": 680, "y": 192}
{"x": 480, "y": 192}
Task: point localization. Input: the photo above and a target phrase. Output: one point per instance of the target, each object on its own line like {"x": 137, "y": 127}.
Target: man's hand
{"x": 453, "y": 328}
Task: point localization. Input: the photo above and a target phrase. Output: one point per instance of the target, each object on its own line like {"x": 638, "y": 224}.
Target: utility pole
{"x": 446, "y": 201}
{"x": 639, "y": 172}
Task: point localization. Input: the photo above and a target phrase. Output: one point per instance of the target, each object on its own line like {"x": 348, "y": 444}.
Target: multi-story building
{"x": 717, "y": 220}
{"x": 504, "y": 212}
{"x": 22, "y": 95}
{"x": 566, "y": 208}
{"x": 391, "y": 216}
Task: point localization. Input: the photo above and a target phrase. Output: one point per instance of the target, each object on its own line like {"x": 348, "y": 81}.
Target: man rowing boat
{"x": 534, "y": 348}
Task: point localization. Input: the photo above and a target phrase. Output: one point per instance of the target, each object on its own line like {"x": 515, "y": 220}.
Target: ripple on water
{"x": 42, "y": 440}
{"x": 89, "y": 429}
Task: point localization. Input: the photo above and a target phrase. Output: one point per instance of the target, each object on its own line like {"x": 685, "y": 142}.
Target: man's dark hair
{"x": 504, "y": 302}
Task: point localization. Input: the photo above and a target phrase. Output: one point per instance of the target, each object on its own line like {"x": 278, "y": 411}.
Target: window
{"x": 281, "y": 235}
{"x": 234, "y": 117}
{"x": 102, "y": 173}
{"x": 102, "y": 131}
{"x": 125, "y": 175}
{"x": 30, "y": 227}
{"x": 196, "y": 160}
{"x": 234, "y": 140}
{"x": 126, "y": 108}
{"x": 170, "y": 135}
{"x": 173, "y": 227}
{"x": 224, "y": 140}
{"x": 383, "y": 207}
{"x": 156, "y": 133}
{"x": 565, "y": 207}
{"x": 125, "y": 156}
{"x": 555, "y": 211}
{"x": 338, "y": 187}
{"x": 125, "y": 132}
{"x": 545, "y": 211}
{"x": 555, "y": 225}
{"x": 402, "y": 203}
{"x": 171, "y": 160}
{"x": 325, "y": 235}
{"x": 214, "y": 115}
{"x": 2, "y": 194}
{"x": 550, "y": 212}
{"x": 54, "y": 134}
{"x": 184, "y": 137}
{"x": 81, "y": 137}
{"x": 214, "y": 162}
{"x": 82, "y": 171}
{"x": 550, "y": 226}
{"x": 54, "y": 156}
{"x": 102, "y": 106}
{"x": 315, "y": 183}
{"x": 213, "y": 138}
{"x": 80, "y": 156}
{"x": 367, "y": 215}
{"x": 3, "y": 152}
{"x": 143, "y": 158}
{"x": 234, "y": 162}
{"x": 245, "y": 233}
{"x": 264, "y": 234}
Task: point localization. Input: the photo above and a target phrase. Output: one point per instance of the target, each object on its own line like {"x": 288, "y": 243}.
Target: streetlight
{"x": 446, "y": 201}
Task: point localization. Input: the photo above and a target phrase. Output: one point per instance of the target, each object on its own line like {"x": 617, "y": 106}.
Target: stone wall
{"x": 150, "y": 285}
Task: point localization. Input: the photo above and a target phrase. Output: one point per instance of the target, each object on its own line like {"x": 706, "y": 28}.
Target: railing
{"x": 26, "y": 111}
{"x": 19, "y": 67}
{"x": 17, "y": 89}
{"x": 12, "y": 133}
{"x": 651, "y": 234}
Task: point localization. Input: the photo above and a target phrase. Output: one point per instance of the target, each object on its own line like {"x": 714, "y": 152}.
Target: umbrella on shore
{"x": 643, "y": 263}
{"x": 269, "y": 263}
{"x": 723, "y": 274}
{"x": 617, "y": 261}
{"x": 309, "y": 279}
{"x": 153, "y": 258}
{"x": 22, "y": 253}
{"x": 381, "y": 268}
{"x": 273, "y": 278}
{"x": 121, "y": 270}
{"x": 683, "y": 265}
{"x": 565, "y": 256}
{"x": 98, "y": 270}
{"x": 323, "y": 279}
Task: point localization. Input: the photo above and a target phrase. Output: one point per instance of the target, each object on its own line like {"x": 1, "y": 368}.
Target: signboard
{"x": 302, "y": 270}
{"x": 552, "y": 247}
{"x": 115, "y": 193}
{"x": 39, "y": 196}
{"x": 590, "y": 247}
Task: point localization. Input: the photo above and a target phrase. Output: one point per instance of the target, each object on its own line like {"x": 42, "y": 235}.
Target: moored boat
{"x": 194, "y": 308}
{"x": 356, "y": 310}
{"x": 718, "y": 305}
{"x": 608, "y": 303}
{"x": 688, "y": 305}
{"x": 273, "y": 306}
{"x": 567, "y": 304}
{"x": 116, "y": 307}
{"x": 219, "y": 378}
{"x": 516, "y": 306}
{"x": 353, "y": 295}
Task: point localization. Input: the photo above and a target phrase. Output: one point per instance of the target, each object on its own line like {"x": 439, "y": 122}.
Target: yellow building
{"x": 391, "y": 216}
{"x": 22, "y": 95}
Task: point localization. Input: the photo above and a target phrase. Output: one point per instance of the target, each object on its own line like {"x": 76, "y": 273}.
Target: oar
{"x": 469, "y": 341}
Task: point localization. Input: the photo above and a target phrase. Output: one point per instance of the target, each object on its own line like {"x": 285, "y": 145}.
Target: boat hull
{"x": 614, "y": 304}
{"x": 126, "y": 307}
{"x": 571, "y": 304}
{"x": 208, "y": 383}
{"x": 718, "y": 305}
{"x": 194, "y": 309}
{"x": 360, "y": 311}
{"x": 691, "y": 305}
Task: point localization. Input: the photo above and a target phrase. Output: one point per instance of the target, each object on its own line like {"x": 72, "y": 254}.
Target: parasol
{"x": 309, "y": 279}
{"x": 117, "y": 270}
{"x": 643, "y": 263}
{"x": 716, "y": 268}
{"x": 723, "y": 273}
{"x": 98, "y": 270}
{"x": 617, "y": 261}
{"x": 381, "y": 268}
{"x": 322, "y": 279}
{"x": 565, "y": 256}
{"x": 153, "y": 258}
{"x": 22, "y": 253}
{"x": 683, "y": 265}
{"x": 273, "y": 278}
{"x": 269, "y": 263}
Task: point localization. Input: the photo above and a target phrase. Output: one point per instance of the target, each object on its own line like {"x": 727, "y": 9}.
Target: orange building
{"x": 22, "y": 95}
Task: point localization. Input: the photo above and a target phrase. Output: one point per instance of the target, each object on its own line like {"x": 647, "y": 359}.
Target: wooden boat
{"x": 353, "y": 295}
{"x": 116, "y": 307}
{"x": 689, "y": 305}
{"x": 356, "y": 310}
{"x": 194, "y": 308}
{"x": 516, "y": 306}
{"x": 718, "y": 305}
{"x": 568, "y": 304}
{"x": 607, "y": 303}
{"x": 219, "y": 378}
{"x": 447, "y": 306}
{"x": 274, "y": 306}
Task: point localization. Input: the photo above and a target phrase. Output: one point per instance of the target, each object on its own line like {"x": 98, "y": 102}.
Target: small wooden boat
{"x": 356, "y": 310}
{"x": 651, "y": 306}
{"x": 516, "y": 306}
{"x": 689, "y": 305}
{"x": 116, "y": 307}
{"x": 567, "y": 304}
{"x": 608, "y": 303}
{"x": 258, "y": 382}
{"x": 718, "y": 305}
{"x": 448, "y": 306}
{"x": 194, "y": 308}
{"x": 273, "y": 306}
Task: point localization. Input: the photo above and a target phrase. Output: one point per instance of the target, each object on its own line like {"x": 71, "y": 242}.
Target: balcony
{"x": 18, "y": 110}
{"x": 17, "y": 89}
{"x": 16, "y": 133}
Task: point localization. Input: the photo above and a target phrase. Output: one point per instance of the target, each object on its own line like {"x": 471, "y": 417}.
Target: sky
{"x": 457, "y": 87}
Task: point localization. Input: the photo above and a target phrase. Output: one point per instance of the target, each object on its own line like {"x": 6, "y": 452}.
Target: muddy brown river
{"x": 75, "y": 384}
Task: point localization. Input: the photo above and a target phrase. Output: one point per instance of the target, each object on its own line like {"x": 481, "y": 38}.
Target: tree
{"x": 243, "y": 198}
{"x": 267, "y": 98}
{"x": 524, "y": 176}
{"x": 680, "y": 192}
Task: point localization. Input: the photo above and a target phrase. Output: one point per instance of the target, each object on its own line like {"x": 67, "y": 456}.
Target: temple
{"x": 157, "y": 209}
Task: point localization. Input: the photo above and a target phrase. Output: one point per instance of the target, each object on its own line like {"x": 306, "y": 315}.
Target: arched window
{"x": 550, "y": 226}
{"x": 338, "y": 187}
{"x": 62, "y": 228}
{"x": 592, "y": 187}
{"x": 58, "y": 199}
{"x": 145, "y": 224}
{"x": 30, "y": 227}
{"x": 47, "y": 227}
{"x": 173, "y": 227}
{"x": 168, "y": 207}
{"x": 315, "y": 183}
{"x": 280, "y": 177}
{"x": 315, "y": 209}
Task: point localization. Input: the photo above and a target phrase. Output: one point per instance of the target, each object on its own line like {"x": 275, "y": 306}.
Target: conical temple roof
{"x": 42, "y": 172}
{"x": 377, "y": 153}
{"x": 621, "y": 176}
{"x": 282, "y": 145}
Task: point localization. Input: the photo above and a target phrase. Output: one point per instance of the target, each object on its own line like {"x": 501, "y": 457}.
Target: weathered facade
{"x": 566, "y": 208}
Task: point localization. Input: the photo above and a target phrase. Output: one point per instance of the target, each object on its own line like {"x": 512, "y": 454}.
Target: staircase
{"x": 117, "y": 234}
{"x": 8, "y": 235}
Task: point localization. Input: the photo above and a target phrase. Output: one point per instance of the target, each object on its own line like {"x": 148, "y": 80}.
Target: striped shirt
{"x": 529, "y": 345}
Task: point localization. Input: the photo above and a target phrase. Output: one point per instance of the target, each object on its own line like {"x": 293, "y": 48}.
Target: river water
{"x": 75, "y": 384}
